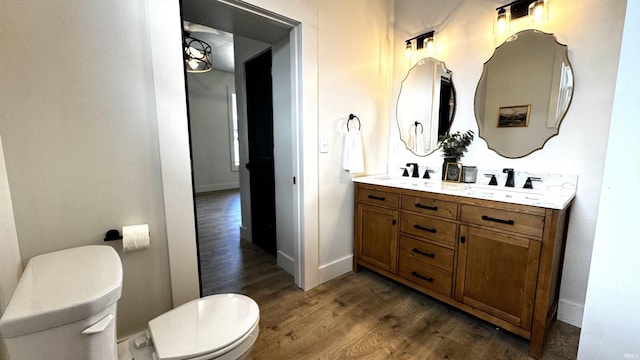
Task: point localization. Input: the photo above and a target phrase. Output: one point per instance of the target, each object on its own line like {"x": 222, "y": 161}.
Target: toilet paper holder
{"x": 112, "y": 235}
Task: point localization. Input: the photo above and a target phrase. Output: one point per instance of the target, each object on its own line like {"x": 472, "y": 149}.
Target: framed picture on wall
{"x": 514, "y": 116}
{"x": 453, "y": 172}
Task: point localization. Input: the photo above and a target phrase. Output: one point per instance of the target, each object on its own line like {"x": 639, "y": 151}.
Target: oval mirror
{"x": 524, "y": 93}
{"x": 426, "y": 106}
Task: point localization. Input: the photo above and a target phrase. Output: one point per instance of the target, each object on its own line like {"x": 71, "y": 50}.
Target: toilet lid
{"x": 203, "y": 326}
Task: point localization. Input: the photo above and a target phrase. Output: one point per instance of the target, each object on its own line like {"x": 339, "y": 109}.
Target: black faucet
{"x": 416, "y": 172}
{"x": 510, "y": 182}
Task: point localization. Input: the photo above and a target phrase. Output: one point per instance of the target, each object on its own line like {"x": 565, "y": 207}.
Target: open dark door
{"x": 260, "y": 133}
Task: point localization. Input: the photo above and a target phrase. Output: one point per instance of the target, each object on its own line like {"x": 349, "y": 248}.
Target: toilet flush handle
{"x": 100, "y": 326}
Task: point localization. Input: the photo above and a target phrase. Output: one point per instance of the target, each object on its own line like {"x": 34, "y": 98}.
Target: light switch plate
{"x": 324, "y": 145}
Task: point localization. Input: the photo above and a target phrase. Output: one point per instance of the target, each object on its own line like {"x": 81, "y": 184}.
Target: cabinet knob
{"x": 463, "y": 239}
{"x": 393, "y": 222}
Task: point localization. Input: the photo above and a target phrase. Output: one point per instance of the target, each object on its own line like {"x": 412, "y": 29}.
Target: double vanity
{"x": 493, "y": 252}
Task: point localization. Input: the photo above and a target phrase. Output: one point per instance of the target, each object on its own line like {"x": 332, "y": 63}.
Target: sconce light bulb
{"x": 408, "y": 49}
{"x": 429, "y": 45}
{"x": 536, "y": 12}
{"x": 502, "y": 19}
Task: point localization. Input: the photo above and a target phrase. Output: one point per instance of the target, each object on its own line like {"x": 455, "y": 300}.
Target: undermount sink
{"x": 404, "y": 181}
{"x": 486, "y": 191}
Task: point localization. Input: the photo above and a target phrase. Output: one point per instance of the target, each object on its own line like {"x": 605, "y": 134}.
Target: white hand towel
{"x": 419, "y": 144}
{"x": 345, "y": 150}
{"x": 356, "y": 156}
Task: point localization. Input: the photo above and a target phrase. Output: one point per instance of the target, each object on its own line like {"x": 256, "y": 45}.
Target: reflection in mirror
{"x": 524, "y": 93}
{"x": 426, "y": 105}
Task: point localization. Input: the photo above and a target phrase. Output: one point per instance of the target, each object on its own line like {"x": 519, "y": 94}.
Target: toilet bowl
{"x": 64, "y": 307}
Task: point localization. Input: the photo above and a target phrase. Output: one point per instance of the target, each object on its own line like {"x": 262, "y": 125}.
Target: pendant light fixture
{"x": 197, "y": 55}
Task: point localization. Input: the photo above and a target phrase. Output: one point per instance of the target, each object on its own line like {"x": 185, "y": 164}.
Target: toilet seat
{"x": 205, "y": 328}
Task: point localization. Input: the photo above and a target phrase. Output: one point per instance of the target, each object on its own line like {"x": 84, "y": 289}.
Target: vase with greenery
{"x": 453, "y": 146}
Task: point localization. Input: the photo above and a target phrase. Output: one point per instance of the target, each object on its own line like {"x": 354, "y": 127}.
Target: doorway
{"x": 164, "y": 17}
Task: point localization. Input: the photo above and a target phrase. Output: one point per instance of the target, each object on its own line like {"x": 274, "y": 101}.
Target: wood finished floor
{"x": 355, "y": 316}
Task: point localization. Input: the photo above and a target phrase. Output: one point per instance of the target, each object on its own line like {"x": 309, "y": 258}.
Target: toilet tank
{"x": 64, "y": 306}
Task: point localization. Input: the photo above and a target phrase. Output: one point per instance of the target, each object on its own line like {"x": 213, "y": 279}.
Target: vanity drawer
{"x": 526, "y": 224}
{"x": 426, "y": 253}
{"x": 428, "y": 206}
{"x": 439, "y": 231}
{"x": 425, "y": 275}
{"x": 378, "y": 197}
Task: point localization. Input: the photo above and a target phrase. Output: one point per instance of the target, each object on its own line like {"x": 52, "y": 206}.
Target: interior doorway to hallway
{"x": 281, "y": 197}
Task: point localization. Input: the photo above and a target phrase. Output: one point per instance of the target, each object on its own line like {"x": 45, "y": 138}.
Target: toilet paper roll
{"x": 135, "y": 237}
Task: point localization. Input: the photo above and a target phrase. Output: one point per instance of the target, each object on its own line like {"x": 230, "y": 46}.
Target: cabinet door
{"x": 497, "y": 274}
{"x": 378, "y": 240}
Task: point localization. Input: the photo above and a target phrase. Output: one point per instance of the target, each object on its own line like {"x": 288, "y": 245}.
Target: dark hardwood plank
{"x": 355, "y": 316}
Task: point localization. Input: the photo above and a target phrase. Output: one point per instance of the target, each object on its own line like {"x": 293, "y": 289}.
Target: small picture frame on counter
{"x": 453, "y": 172}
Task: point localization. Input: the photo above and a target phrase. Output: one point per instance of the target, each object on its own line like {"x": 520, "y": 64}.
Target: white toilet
{"x": 64, "y": 308}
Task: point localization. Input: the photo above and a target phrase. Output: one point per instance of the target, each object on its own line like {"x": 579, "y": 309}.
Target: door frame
{"x": 165, "y": 34}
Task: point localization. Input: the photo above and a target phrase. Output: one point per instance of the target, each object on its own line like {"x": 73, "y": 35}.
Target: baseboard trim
{"x": 216, "y": 187}
{"x": 570, "y": 312}
{"x": 335, "y": 268}
{"x": 245, "y": 234}
{"x": 286, "y": 262}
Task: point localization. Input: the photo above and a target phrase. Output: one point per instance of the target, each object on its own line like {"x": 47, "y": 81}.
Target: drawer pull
{"x": 418, "y": 251}
{"x": 507, "y": 222}
{"x": 429, "y": 279}
{"x": 381, "y": 198}
{"x": 419, "y": 227}
{"x": 432, "y": 208}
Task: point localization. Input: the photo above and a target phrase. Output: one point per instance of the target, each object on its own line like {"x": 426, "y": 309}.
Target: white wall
{"x": 611, "y": 319}
{"x": 283, "y": 153}
{"x": 355, "y": 66}
{"x": 80, "y": 137}
{"x": 209, "y": 121}
{"x": 592, "y": 30}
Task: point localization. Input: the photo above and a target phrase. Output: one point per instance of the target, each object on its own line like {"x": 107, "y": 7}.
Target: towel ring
{"x": 351, "y": 117}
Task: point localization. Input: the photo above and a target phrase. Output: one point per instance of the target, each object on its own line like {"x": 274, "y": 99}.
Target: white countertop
{"x": 554, "y": 191}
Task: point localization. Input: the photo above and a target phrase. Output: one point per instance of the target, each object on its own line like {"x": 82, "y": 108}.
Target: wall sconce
{"x": 423, "y": 41}
{"x": 534, "y": 9}
{"x": 197, "y": 55}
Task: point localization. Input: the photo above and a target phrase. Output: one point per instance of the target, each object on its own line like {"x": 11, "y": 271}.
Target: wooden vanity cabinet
{"x": 498, "y": 261}
{"x": 376, "y": 230}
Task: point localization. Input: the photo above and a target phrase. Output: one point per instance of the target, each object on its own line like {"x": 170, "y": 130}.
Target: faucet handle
{"x": 405, "y": 171}
{"x": 528, "y": 184}
{"x": 426, "y": 174}
{"x": 493, "y": 180}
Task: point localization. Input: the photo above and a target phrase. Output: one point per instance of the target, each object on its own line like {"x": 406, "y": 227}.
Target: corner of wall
{"x": 10, "y": 261}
